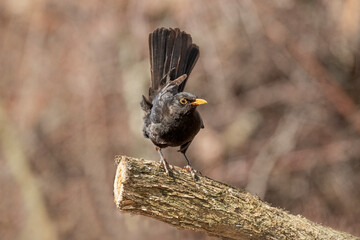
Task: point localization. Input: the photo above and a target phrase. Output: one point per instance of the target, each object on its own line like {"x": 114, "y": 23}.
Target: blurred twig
{"x": 279, "y": 35}
{"x": 282, "y": 142}
{"x": 332, "y": 91}
{"x": 335, "y": 152}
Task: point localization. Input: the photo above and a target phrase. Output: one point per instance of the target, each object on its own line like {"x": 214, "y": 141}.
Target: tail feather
{"x": 192, "y": 57}
{"x": 172, "y": 54}
{"x": 168, "y": 55}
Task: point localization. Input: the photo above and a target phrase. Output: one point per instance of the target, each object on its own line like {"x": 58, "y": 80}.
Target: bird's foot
{"x": 194, "y": 173}
{"x": 166, "y": 166}
{"x": 163, "y": 162}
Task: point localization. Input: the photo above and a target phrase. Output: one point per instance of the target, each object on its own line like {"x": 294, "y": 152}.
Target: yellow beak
{"x": 198, "y": 101}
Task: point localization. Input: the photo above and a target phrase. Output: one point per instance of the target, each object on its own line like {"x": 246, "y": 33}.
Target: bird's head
{"x": 184, "y": 103}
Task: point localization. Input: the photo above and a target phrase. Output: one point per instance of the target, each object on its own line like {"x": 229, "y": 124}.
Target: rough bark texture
{"x": 142, "y": 187}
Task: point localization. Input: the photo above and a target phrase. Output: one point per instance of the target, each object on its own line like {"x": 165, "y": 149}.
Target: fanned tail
{"x": 172, "y": 54}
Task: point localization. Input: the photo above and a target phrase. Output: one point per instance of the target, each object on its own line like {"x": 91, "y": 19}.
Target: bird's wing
{"x": 172, "y": 54}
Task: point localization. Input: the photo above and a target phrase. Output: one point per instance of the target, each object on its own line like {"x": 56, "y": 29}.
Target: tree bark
{"x": 205, "y": 205}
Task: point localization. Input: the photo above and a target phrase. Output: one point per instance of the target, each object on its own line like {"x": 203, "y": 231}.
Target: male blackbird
{"x": 171, "y": 118}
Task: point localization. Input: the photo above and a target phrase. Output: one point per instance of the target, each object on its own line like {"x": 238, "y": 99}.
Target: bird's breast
{"x": 175, "y": 131}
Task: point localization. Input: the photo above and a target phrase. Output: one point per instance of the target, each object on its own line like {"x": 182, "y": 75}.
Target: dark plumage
{"x": 171, "y": 117}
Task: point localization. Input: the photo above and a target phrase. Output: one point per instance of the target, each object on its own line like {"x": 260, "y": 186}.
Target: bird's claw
{"x": 194, "y": 173}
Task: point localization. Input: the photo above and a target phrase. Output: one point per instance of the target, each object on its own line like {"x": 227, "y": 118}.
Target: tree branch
{"x": 205, "y": 205}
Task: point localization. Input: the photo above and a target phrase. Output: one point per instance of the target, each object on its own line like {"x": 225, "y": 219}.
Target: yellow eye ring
{"x": 183, "y": 101}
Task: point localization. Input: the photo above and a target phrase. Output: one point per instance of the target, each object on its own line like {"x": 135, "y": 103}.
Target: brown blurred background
{"x": 282, "y": 78}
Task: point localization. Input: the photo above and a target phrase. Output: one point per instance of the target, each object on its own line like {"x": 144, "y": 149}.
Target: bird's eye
{"x": 183, "y": 101}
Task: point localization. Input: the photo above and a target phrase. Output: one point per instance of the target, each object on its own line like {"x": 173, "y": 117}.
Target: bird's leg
{"x": 190, "y": 169}
{"x": 163, "y": 162}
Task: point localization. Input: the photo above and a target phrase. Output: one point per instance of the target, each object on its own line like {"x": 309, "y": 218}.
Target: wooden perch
{"x": 142, "y": 187}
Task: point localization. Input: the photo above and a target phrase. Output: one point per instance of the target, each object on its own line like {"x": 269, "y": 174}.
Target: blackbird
{"x": 171, "y": 118}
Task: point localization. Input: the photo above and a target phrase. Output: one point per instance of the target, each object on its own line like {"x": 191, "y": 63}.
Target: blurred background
{"x": 282, "y": 81}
